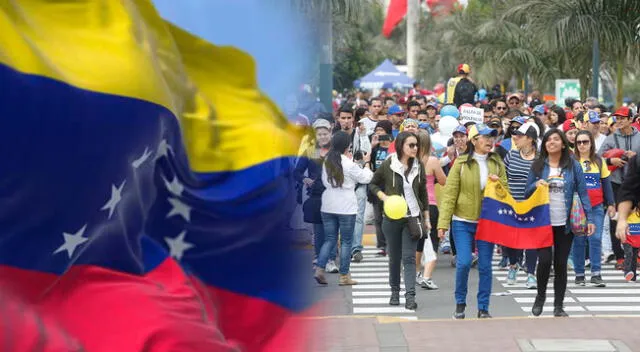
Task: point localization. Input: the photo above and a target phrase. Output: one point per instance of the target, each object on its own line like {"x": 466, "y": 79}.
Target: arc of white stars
{"x": 116, "y": 197}
{"x": 177, "y": 246}
{"x": 145, "y": 156}
{"x": 72, "y": 241}
{"x": 174, "y": 186}
{"x": 179, "y": 208}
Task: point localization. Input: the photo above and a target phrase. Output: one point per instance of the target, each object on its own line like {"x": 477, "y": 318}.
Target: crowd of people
{"x": 375, "y": 147}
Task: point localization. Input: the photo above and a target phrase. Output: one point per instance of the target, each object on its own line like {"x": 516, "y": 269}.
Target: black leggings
{"x": 616, "y": 245}
{"x": 435, "y": 241}
{"x": 560, "y": 254}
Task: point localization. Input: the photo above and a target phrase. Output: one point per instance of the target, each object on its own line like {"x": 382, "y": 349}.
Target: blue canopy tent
{"x": 386, "y": 75}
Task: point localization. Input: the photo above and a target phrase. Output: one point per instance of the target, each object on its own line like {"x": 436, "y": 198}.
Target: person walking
{"x": 518, "y": 164}
{"x": 601, "y": 196}
{"x": 460, "y": 211}
{"x": 556, "y": 169}
{"x": 340, "y": 175}
{"x": 403, "y": 174}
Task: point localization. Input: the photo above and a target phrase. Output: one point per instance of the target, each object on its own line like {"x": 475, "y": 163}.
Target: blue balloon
{"x": 482, "y": 94}
{"x": 449, "y": 110}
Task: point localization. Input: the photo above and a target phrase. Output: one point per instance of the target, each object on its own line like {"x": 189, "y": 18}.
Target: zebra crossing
{"x": 618, "y": 298}
{"x": 371, "y": 295}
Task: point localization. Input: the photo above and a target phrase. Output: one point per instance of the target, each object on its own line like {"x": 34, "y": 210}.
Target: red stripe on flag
{"x": 396, "y": 12}
{"x": 109, "y": 311}
{"x": 512, "y": 237}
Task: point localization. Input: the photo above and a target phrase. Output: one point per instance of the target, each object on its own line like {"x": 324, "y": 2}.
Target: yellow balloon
{"x": 395, "y": 207}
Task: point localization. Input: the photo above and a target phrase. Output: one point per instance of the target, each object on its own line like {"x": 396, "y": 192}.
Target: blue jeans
{"x": 595, "y": 246}
{"x": 318, "y": 240}
{"x": 334, "y": 223}
{"x": 361, "y": 195}
{"x": 464, "y": 234}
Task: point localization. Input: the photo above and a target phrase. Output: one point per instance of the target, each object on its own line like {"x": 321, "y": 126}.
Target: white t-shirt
{"x": 369, "y": 124}
{"x": 599, "y": 140}
{"x": 484, "y": 169}
{"x": 410, "y": 198}
{"x": 557, "y": 205}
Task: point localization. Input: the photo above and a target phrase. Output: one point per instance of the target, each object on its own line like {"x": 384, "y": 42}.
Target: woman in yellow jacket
{"x": 462, "y": 198}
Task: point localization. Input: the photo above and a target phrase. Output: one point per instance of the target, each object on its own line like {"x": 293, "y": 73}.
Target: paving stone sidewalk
{"x": 503, "y": 334}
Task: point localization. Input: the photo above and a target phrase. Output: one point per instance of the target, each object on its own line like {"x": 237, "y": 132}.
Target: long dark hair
{"x": 562, "y": 117}
{"x": 399, "y": 143}
{"x": 593, "y": 157}
{"x": 340, "y": 142}
{"x": 565, "y": 158}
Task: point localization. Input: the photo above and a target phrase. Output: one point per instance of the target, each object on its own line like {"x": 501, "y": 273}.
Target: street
{"x": 359, "y": 318}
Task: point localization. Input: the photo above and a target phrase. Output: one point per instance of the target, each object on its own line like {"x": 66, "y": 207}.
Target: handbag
{"x": 577, "y": 218}
{"x": 416, "y": 226}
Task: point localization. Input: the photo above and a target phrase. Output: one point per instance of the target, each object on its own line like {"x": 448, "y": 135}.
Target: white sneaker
{"x": 532, "y": 283}
{"x": 331, "y": 267}
{"x": 428, "y": 284}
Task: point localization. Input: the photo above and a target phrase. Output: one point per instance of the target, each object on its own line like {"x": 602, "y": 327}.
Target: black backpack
{"x": 465, "y": 92}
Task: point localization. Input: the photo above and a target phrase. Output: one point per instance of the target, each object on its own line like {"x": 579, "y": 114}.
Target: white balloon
{"x": 447, "y": 125}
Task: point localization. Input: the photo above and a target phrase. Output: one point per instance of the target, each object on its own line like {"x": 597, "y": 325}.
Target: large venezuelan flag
{"x": 633, "y": 237}
{"x": 520, "y": 225}
{"x": 146, "y": 183}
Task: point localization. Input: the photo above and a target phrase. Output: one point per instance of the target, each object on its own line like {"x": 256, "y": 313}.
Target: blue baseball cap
{"x": 481, "y": 130}
{"x": 460, "y": 129}
{"x": 432, "y": 105}
{"x": 395, "y": 109}
{"x": 519, "y": 119}
{"x": 539, "y": 109}
{"x": 593, "y": 116}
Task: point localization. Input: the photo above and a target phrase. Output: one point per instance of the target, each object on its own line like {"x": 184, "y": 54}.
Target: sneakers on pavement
{"x": 580, "y": 281}
{"x": 512, "y": 276}
{"x": 597, "y": 281}
{"x": 331, "y": 267}
{"x": 459, "y": 313}
{"x": 483, "y": 314}
{"x": 559, "y": 312}
{"x": 428, "y": 284}
{"x": 620, "y": 264}
{"x": 356, "y": 257}
{"x": 532, "y": 282}
{"x": 629, "y": 276}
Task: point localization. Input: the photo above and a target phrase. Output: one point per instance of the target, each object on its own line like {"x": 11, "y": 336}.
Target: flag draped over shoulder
{"x": 146, "y": 183}
{"x": 634, "y": 230}
{"x": 520, "y": 225}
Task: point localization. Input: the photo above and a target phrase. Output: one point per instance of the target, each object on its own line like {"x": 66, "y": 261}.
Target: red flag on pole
{"x": 396, "y": 12}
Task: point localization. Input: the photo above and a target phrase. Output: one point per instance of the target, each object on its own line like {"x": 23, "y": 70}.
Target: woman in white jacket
{"x": 340, "y": 175}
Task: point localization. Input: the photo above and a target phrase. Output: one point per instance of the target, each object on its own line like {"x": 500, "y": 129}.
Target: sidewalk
{"x": 499, "y": 334}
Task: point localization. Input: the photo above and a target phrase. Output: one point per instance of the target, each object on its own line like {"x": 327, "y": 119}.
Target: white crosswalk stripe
{"x": 371, "y": 295}
{"x": 618, "y": 298}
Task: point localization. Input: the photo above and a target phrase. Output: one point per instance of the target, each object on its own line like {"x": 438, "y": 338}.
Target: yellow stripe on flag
{"x": 495, "y": 190}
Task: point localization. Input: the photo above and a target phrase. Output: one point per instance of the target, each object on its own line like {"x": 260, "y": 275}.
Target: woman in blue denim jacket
{"x": 556, "y": 169}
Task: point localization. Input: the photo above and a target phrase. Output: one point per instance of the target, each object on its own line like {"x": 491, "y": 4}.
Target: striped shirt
{"x": 518, "y": 170}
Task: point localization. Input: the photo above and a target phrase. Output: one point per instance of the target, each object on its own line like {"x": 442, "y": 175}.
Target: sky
{"x": 267, "y": 30}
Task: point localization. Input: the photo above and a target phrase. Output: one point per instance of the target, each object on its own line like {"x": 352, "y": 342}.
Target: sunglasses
{"x": 413, "y": 145}
{"x": 501, "y": 108}
{"x": 583, "y": 142}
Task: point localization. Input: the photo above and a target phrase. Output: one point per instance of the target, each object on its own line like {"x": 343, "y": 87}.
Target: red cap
{"x": 464, "y": 68}
{"x": 568, "y": 125}
{"x": 623, "y": 111}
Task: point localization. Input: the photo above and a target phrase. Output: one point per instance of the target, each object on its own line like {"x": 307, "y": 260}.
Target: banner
{"x": 519, "y": 225}
{"x": 471, "y": 114}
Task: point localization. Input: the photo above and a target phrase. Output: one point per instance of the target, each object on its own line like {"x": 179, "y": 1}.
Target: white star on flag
{"x": 177, "y": 246}
{"x": 116, "y": 197}
{"x": 532, "y": 219}
{"x": 174, "y": 187}
{"x": 179, "y": 208}
{"x": 72, "y": 241}
{"x": 163, "y": 149}
{"x": 500, "y": 211}
{"x": 136, "y": 163}
{"x": 510, "y": 211}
